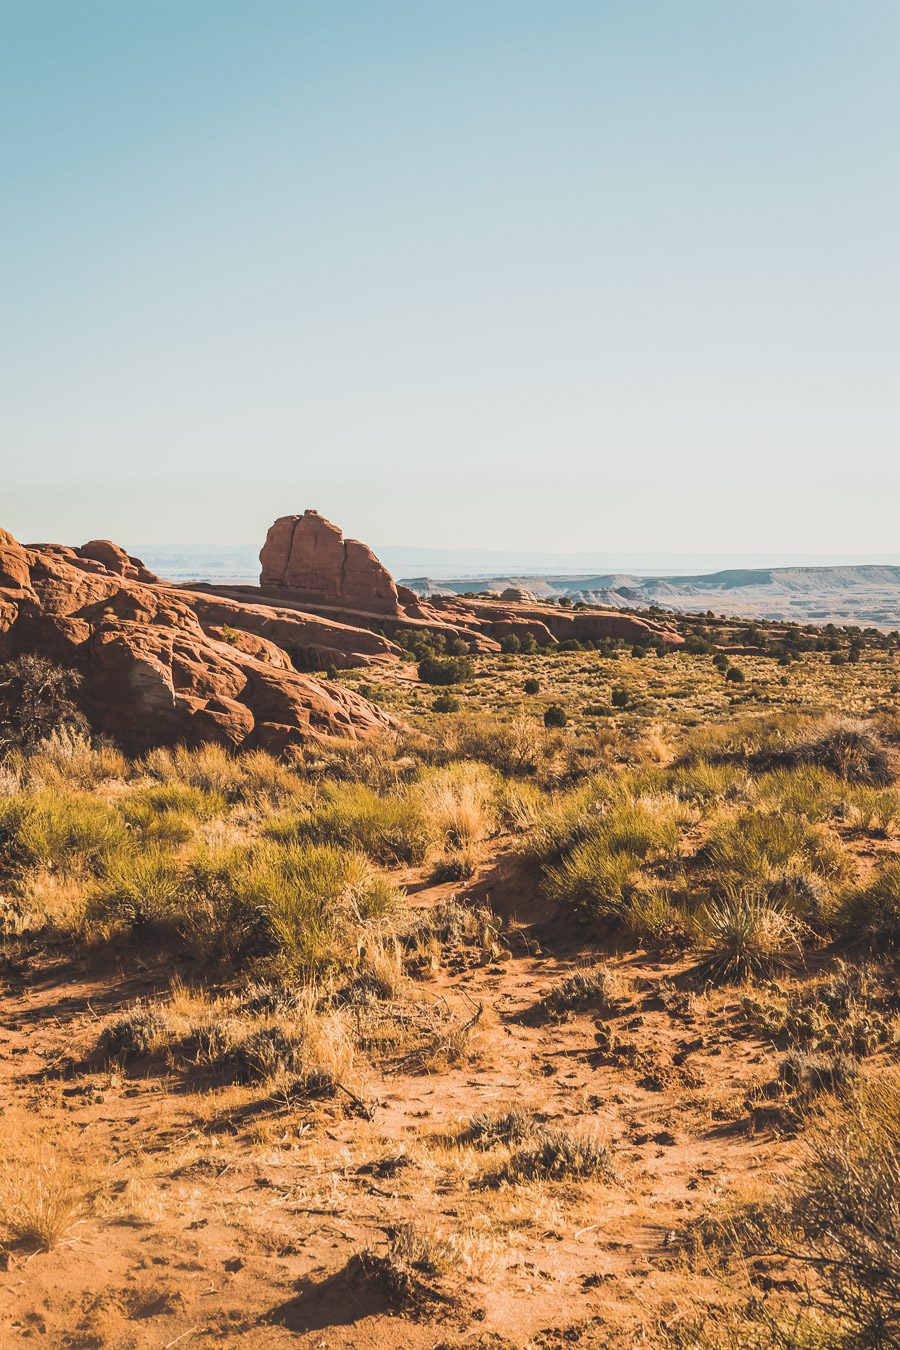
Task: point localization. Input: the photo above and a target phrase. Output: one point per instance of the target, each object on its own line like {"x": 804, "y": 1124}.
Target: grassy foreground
{"x": 494, "y": 1033}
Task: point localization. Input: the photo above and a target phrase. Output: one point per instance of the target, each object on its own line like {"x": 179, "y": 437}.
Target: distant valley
{"x": 867, "y": 595}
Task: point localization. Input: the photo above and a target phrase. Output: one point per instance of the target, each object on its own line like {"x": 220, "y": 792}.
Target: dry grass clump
{"x": 142, "y": 1031}
{"x": 602, "y": 838}
{"x": 536, "y": 1151}
{"x": 870, "y": 915}
{"x": 521, "y": 746}
{"x": 556, "y": 1154}
{"x": 40, "y": 1201}
{"x": 459, "y": 805}
{"x": 54, "y": 828}
{"x": 405, "y": 1274}
{"x": 844, "y": 1214}
{"x": 753, "y": 844}
{"x": 847, "y": 747}
{"x": 596, "y": 988}
{"x": 746, "y": 935}
{"x": 68, "y": 758}
{"x": 489, "y": 1129}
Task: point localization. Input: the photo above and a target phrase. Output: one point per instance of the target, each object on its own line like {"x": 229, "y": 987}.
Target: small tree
{"x": 36, "y": 698}
{"x": 445, "y": 669}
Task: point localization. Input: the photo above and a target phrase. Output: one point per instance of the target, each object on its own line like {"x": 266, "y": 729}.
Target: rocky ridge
{"x": 161, "y": 664}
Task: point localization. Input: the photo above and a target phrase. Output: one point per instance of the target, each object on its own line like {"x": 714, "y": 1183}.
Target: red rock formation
{"x": 311, "y": 641}
{"x": 310, "y": 557}
{"x": 307, "y": 563}
{"x": 151, "y": 674}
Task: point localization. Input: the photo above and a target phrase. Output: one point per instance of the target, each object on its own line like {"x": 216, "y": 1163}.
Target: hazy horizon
{"x": 239, "y": 562}
{"x": 591, "y": 275}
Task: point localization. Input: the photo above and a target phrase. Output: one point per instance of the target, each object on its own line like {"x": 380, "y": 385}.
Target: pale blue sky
{"x": 532, "y": 274}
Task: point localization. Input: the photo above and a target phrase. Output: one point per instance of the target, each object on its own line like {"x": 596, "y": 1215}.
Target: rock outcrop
{"x": 307, "y": 564}
{"x": 310, "y": 557}
{"x": 163, "y": 664}
{"x": 152, "y": 671}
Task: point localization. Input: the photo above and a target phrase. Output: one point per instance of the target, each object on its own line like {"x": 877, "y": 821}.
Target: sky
{"x": 559, "y": 275}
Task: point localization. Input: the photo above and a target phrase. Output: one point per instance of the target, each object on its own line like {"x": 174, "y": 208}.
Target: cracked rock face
{"x": 310, "y": 557}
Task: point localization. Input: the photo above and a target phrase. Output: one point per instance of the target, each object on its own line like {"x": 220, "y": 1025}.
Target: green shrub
{"x": 555, "y": 717}
{"x": 445, "y": 703}
{"x": 532, "y": 686}
{"x": 389, "y": 827}
{"x": 445, "y": 669}
{"x": 142, "y": 887}
{"x": 56, "y": 829}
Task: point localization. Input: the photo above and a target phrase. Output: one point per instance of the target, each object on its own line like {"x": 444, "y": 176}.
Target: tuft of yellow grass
{"x": 40, "y": 1201}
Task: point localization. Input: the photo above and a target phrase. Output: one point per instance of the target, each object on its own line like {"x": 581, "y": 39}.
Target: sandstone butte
{"x": 161, "y": 664}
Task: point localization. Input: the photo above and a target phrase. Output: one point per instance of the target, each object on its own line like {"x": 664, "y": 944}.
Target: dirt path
{"x": 223, "y": 1218}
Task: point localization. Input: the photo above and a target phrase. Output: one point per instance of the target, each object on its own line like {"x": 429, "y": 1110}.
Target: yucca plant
{"x": 746, "y": 934}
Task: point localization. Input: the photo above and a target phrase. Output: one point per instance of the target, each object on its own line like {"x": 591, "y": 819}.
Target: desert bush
{"x": 807, "y": 790}
{"x": 596, "y": 987}
{"x": 37, "y": 698}
{"x": 705, "y": 783}
{"x": 445, "y": 703}
{"x": 445, "y": 669}
{"x": 267, "y": 1052}
{"x": 851, "y": 749}
{"x": 870, "y": 914}
{"x": 845, "y": 1214}
{"x": 594, "y": 880}
{"x": 555, "y": 717}
{"x": 300, "y": 904}
{"x": 53, "y": 828}
{"x": 389, "y": 827}
{"x": 746, "y": 935}
{"x": 140, "y": 1032}
{"x": 751, "y": 844}
{"x": 519, "y": 747}
{"x": 202, "y": 803}
{"x": 143, "y": 887}
{"x": 874, "y": 810}
{"x": 532, "y": 686}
